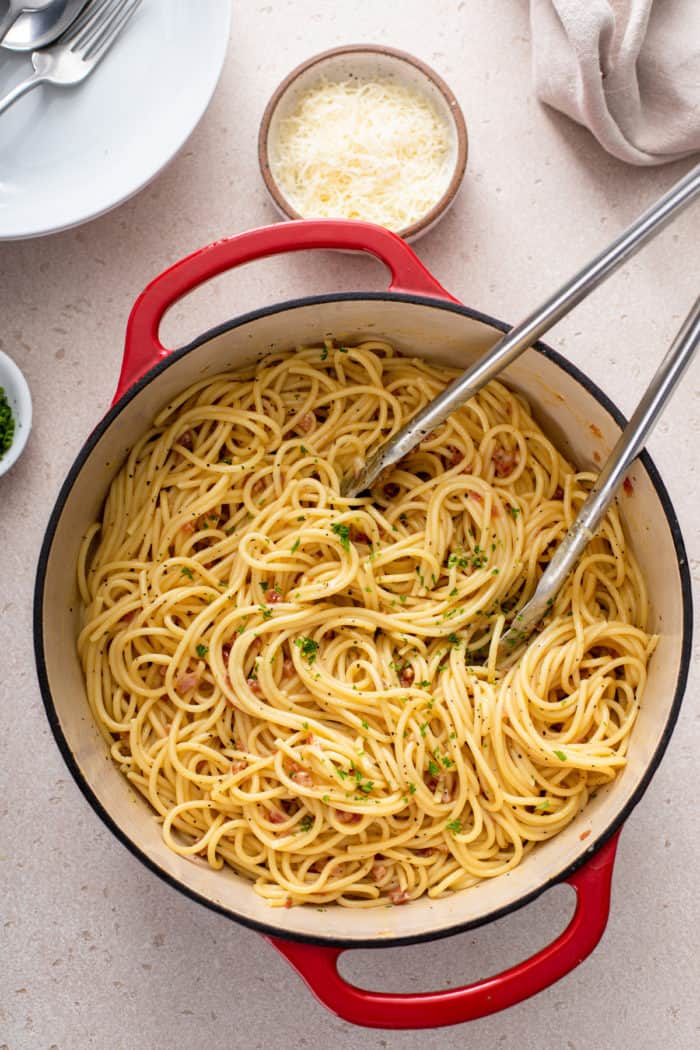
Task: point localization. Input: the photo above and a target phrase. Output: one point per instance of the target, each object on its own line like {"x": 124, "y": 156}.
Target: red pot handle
{"x": 318, "y": 967}
{"x": 143, "y": 347}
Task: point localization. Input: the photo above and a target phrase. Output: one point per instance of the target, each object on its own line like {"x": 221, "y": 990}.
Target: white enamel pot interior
{"x": 570, "y": 409}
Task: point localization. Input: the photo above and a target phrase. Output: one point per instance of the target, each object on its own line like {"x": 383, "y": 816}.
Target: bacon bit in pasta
{"x": 128, "y": 617}
{"x": 455, "y": 455}
{"x": 398, "y": 896}
{"x": 378, "y": 871}
{"x": 238, "y": 765}
{"x": 391, "y": 490}
{"x": 428, "y": 852}
{"x": 185, "y": 682}
{"x": 306, "y": 423}
{"x": 584, "y": 835}
{"x": 558, "y": 493}
{"x": 226, "y": 651}
{"x": 289, "y": 902}
{"x": 348, "y": 818}
{"x": 476, "y": 496}
{"x": 447, "y": 793}
{"x": 432, "y": 783}
{"x": 258, "y": 487}
{"x": 504, "y": 461}
{"x": 273, "y": 596}
{"x": 358, "y": 536}
{"x": 407, "y": 676}
{"x": 428, "y": 438}
{"x": 302, "y": 777}
{"x": 187, "y": 528}
{"x": 254, "y": 685}
{"x": 287, "y": 667}
{"x": 628, "y": 487}
{"x": 275, "y": 817}
{"x": 186, "y": 440}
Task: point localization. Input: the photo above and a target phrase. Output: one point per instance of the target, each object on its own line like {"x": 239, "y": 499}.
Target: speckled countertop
{"x": 97, "y": 952}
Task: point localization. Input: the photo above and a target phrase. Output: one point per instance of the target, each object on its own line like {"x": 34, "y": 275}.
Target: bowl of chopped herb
{"x": 15, "y": 413}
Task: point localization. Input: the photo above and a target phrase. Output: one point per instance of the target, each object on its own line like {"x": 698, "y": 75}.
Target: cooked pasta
{"x": 304, "y": 686}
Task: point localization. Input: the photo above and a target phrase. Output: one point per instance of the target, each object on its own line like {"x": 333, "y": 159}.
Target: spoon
{"x": 18, "y": 7}
{"x": 527, "y": 332}
{"x": 628, "y": 447}
{"x": 39, "y": 23}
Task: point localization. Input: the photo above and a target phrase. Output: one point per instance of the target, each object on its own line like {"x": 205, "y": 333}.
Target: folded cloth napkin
{"x": 629, "y": 70}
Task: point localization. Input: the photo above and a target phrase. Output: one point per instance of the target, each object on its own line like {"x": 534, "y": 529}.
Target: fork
{"x": 79, "y": 50}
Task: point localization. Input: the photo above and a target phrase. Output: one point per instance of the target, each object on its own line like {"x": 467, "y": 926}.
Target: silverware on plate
{"x": 79, "y": 50}
{"x": 17, "y": 8}
{"x": 39, "y": 28}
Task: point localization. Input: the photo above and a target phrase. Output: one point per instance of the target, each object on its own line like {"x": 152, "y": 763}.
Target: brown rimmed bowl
{"x": 365, "y": 62}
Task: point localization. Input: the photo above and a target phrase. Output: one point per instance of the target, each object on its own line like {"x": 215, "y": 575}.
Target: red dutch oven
{"x": 419, "y": 317}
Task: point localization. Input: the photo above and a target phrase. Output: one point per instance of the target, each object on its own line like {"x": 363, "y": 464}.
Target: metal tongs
{"x": 510, "y": 347}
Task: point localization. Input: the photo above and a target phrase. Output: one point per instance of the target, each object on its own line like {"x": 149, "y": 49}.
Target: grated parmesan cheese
{"x": 371, "y": 150}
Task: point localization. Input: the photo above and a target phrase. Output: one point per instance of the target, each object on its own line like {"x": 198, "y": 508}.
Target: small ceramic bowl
{"x": 17, "y": 393}
{"x": 366, "y": 62}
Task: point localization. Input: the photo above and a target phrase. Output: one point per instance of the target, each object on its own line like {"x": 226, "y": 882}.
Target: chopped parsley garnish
{"x": 412, "y": 788}
{"x": 186, "y": 571}
{"x": 266, "y": 611}
{"x": 542, "y": 806}
{"x": 342, "y": 531}
{"x": 306, "y": 823}
{"x": 455, "y": 826}
{"x": 264, "y": 585}
{"x": 514, "y": 511}
{"x": 324, "y": 353}
{"x": 364, "y": 724}
{"x": 433, "y": 768}
{"x": 202, "y": 650}
{"x": 308, "y": 647}
{"x": 6, "y": 423}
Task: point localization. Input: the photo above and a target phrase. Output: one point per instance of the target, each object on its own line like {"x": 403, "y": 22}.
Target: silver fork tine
{"x": 101, "y": 14}
{"x": 86, "y": 16}
{"x": 109, "y": 34}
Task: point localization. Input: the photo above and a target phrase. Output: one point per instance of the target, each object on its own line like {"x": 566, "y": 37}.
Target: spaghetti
{"x": 304, "y": 686}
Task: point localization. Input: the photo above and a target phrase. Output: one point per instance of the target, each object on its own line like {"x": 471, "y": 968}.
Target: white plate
{"x": 70, "y": 154}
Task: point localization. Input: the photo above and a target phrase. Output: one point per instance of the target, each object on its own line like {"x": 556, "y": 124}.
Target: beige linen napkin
{"x": 629, "y": 70}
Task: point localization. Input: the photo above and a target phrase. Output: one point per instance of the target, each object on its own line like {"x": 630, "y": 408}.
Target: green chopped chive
{"x": 342, "y": 531}
{"x": 202, "y": 650}
{"x": 560, "y": 755}
{"x": 308, "y": 647}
